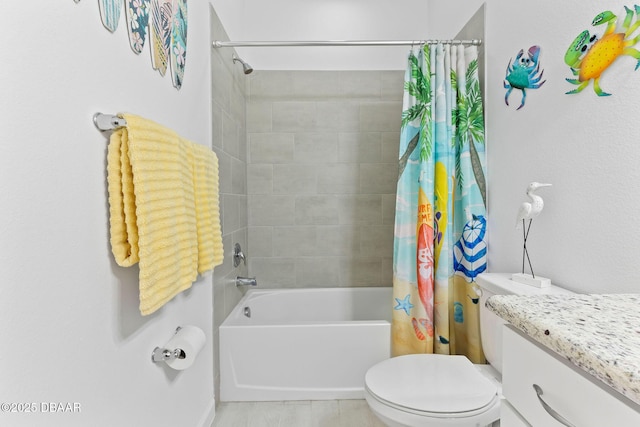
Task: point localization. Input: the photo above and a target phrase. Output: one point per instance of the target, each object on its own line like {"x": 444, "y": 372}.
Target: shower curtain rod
{"x": 218, "y": 43}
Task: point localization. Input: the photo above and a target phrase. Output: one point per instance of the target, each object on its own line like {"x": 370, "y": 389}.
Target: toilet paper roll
{"x": 190, "y": 339}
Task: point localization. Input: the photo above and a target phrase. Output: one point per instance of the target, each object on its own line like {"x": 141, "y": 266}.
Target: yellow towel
{"x": 153, "y": 209}
{"x": 205, "y": 179}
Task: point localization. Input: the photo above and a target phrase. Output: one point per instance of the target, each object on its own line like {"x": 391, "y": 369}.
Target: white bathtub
{"x": 303, "y": 344}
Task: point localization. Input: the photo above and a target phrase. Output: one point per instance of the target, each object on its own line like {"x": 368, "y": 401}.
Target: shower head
{"x": 246, "y": 67}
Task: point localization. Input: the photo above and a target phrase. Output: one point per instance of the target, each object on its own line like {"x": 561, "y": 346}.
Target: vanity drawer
{"x": 581, "y": 399}
{"x": 578, "y": 397}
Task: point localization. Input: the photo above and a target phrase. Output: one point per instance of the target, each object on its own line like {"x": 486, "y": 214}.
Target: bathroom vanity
{"x": 570, "y": 360}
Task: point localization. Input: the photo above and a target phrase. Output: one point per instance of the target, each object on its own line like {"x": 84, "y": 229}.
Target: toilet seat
{"x": 429, "y": 385}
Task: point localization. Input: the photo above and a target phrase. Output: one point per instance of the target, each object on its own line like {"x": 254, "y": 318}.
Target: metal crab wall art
{"x": 589, "y": 56}
{"x": 524, "y": 74}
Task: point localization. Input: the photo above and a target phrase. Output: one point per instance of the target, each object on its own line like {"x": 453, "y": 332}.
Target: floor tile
{"x": 304, "y": 413}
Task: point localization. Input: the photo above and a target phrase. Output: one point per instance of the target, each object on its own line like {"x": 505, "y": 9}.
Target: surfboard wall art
{"x": 110, "y": 13}
{"x": 178, "y": 42}
{"x": 138, "y": 20}
{"x": 162, "y": 22}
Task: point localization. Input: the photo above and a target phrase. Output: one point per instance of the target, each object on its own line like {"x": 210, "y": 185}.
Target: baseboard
{"x": 209, "y": 415}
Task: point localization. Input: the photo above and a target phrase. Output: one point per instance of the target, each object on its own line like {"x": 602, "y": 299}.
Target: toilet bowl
{"x": 431, "y": 390}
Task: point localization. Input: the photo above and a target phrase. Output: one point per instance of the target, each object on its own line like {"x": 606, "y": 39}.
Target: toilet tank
{"x": 490, "y": 324}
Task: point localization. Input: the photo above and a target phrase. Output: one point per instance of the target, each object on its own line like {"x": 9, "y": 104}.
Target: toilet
{"x": 434, "y": 390}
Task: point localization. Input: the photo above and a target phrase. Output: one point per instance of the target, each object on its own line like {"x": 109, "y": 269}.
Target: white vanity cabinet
{"x": 566, "y": 396}
{"x": 510, "y": 417}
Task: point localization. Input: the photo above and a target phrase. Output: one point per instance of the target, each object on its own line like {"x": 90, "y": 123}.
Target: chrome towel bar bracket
{"x": 106, "y": 122}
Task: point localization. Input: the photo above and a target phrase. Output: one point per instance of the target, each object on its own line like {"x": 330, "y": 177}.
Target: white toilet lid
{"x": 431, "y": 383}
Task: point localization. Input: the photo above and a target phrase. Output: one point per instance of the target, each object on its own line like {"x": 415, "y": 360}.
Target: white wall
{"x": 71, "y": 330}
{"x": 289, "y": 20}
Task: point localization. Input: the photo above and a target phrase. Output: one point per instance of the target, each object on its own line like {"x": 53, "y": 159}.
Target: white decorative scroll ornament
{"x": 527, "y": 212}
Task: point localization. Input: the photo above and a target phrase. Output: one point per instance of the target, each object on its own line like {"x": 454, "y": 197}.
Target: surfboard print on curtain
{"x": 439, "y": 237}
{"x": 110, "y": 13}
{"x": 160, "y": 17}
{"x": 178, "y": 53}
{"x": 137, "y": 12}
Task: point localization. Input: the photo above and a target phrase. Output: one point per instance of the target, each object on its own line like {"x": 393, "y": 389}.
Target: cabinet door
{"x": 509, "y": 417}
{"x": 579, "y": 398}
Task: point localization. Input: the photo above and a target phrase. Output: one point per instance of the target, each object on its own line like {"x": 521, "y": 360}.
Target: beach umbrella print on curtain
{"x": 470, "y": 251}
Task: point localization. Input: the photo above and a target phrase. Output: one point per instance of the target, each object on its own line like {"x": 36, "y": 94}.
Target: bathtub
{"x": 303, "y": 344}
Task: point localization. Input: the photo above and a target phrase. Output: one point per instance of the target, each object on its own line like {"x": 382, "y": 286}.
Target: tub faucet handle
{"x": 238, "y": 255}
{"x": 246, "y": 281}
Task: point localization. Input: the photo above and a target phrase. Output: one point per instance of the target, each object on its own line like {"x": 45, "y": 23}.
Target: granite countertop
{"x": 598, "y": 333}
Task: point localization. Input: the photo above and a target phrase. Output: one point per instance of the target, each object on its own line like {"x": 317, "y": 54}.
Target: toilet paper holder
{"x": 165, "y": 355}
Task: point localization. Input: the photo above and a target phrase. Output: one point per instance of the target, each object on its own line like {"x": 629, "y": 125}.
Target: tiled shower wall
{"x": 229, "y": 142}
{"x": 322, "y": 167}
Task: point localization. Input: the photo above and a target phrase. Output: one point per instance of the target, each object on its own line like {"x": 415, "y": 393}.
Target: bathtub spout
{"x": 246, "y": 281}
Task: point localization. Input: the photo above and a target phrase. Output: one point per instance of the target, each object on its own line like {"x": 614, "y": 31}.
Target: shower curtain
{"x": 440, "y": 225}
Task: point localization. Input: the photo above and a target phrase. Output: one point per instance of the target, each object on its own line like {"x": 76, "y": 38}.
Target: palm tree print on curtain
{"x": 439, "y": 242}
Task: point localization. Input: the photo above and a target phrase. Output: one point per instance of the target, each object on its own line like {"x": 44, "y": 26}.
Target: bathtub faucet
{"x": 246, "y": 281}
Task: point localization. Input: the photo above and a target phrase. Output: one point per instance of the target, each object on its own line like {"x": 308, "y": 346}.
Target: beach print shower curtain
{"x": 440, "y": 225}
